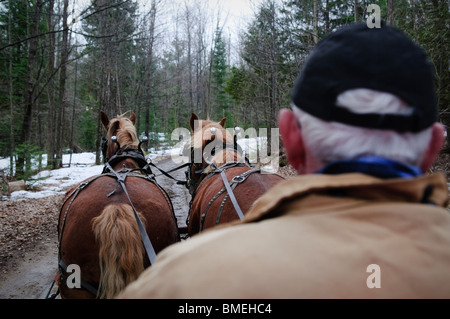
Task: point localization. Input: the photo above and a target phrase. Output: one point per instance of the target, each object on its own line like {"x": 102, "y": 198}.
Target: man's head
{"x": 363, "y": 92}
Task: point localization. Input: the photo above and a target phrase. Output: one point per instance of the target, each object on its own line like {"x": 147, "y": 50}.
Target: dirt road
{"x": 28, "y": 255}
{"x": 178, "y": 194}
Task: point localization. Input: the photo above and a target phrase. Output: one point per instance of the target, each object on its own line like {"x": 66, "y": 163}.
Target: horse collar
{"x": 135, "y": 154}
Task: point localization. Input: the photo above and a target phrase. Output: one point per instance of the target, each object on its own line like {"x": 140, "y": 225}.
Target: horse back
{"x": 75, "y": 231}
{"x": 212, "y": 206}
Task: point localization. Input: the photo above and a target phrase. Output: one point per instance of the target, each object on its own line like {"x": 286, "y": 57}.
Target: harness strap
{"x": 108, "y": 171}
{"x": 180, "y": 182}
{"x": 232, "y": 197}
{"x": 72, "y": 195}
{"x": 84, "y": 284}
{"x": 60, "y": 228}
{"x": 222, "y": 204}
{"x": 53, "y": 296}
{"x": 134, "y": 154}
{"x": 235, "y": 181}
{"x": 207, "y": 176}
{"x": 202, "y": 220}
{"x": 144, "y": 236}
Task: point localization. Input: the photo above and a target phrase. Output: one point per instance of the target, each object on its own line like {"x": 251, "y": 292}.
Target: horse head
{"x": 211, "y": 146}
{"x": 121, "y": 135}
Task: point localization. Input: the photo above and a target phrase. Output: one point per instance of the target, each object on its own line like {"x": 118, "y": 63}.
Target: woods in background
{"x": 63, "y": 61}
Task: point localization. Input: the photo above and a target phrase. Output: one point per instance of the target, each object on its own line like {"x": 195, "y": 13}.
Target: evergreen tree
{"x": 219, "y": 99}
{"x": 240, "y": 87}
{"x": 13, "y": 28}
{"x": 266, "y": 58}
{"x": 428, "y": 22}
{"x": 109, "y": 30}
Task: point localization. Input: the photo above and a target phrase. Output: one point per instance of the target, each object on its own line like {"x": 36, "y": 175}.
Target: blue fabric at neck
{"x": 372, "y": 165}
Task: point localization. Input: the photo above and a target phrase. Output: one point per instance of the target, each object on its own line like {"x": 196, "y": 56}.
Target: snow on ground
{"x": 80, "y": 166}
{"x": 51, "y": 182}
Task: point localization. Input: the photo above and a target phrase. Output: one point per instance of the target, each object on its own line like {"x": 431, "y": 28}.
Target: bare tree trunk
{"x": 327, "y": 16}
{"x": 364, "y": 6}
{"x": 118, "y": 99}
{"x": 356, "y": 13}
{"x": 30, "y": 87}
{"x": 413, "y": 14}
{"x": 11, "y": 103}
{"x": 316, "y": 21}
{"x": 201, "y": 62}
{"x": 62, "y": 86}
{"x": 208, "y": 107}
{"x": 102, "y": 63}
{"x": 188, "y": 21}
{"x": 98, "y": 139}
{"x": 137, "y": 93}
{"x": 149, "y": 65}
{"x": 50, "y": 145}
{"x": 72, "y": 146}
{"x": 390, "y": 12}
{"x": 274, "y": 77}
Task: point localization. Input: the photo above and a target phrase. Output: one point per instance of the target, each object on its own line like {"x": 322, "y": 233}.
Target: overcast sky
{"x": 233, "y": 15}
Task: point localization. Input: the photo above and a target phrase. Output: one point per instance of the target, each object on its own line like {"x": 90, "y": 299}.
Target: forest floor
{"x": 28, "y": 234}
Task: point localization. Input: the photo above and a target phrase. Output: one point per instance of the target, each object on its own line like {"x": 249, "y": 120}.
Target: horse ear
{"x": 222, "y": 122}
{"x": 194, "y": 118}
{"x": 104, "y": 119}
{"x": 133, "y": 118}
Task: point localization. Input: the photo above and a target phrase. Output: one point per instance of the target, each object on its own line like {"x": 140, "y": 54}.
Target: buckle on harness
{"x": 238, "y": 179}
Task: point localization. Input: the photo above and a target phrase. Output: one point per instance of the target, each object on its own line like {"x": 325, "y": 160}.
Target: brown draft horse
{"x": 211, "y": 204}
{"x": 97, "y": 227}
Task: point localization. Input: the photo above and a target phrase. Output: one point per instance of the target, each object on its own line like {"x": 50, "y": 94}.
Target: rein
{"x": 139, "y": 157}
{"x": 165, "y": 173}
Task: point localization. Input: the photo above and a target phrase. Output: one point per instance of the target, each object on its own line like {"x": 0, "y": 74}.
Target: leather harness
{"x": 194, "y": 185}
{"x": 144, "y": 172}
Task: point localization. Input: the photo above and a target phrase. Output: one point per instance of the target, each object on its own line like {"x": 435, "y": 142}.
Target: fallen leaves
{"x": 26, "y": 223}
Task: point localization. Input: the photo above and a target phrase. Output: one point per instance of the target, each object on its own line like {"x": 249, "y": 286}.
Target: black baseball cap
{"x": 382, "y": 59}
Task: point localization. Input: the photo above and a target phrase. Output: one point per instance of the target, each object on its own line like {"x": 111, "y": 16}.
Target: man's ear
{"x": 292, "y": 139}
{"x": 434, "y": 147}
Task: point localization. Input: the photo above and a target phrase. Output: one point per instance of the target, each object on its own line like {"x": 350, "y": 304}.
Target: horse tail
{"x": 121, "y": 252}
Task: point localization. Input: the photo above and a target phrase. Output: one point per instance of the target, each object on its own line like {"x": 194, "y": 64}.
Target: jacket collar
{"x": 372, "y": 165}
{"x": 429, "y": 189}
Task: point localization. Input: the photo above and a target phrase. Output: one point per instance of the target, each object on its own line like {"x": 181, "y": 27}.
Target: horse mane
{"x": 124, "y": 130}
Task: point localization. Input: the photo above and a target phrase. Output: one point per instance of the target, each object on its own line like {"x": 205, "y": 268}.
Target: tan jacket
{"x": 318, "y": 236}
